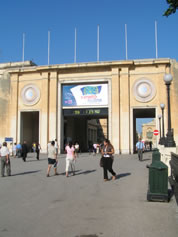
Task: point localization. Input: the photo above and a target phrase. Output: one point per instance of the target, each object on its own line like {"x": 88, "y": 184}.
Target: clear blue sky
{"x": 36, "y": 17}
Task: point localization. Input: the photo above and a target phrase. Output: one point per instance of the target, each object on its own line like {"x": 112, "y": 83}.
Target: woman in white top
{"x": 70, "y": 158}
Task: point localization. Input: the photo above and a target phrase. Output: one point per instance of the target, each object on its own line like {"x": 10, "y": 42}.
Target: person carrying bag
{"x": 106, "y": 160}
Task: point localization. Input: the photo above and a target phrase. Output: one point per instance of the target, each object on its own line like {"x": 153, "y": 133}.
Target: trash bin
{"x": 158, "y": 182}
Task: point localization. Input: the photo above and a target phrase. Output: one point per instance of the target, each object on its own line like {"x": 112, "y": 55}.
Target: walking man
{"x": 140, "y": 148}
{"x": 24, "y": 151}
{"x": 52, "y": 159}
{"x": 5, "y": 160}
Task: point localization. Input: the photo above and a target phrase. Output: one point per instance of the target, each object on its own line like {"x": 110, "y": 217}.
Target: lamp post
{"x": 159, "y": 117}
{"x": 162, "y": 142}
{"x": 170, "y": 138}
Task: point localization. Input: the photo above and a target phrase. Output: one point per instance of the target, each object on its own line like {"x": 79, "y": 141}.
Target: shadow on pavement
{"x": 79, "y": 172}
{"x": 85, "y": 172}
{"x": 146, "y": 159}
{"x": 25, "y": 173}
{"x": 122, "y": 175}
{"x": 35, "y": 159}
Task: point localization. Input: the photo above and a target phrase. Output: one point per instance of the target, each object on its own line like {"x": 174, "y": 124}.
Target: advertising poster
{"x": 85, "y": 95}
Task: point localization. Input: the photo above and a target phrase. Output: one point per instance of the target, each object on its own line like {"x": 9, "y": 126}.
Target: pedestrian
{"x": 150, "y": 145}
{"x": 95, "y": 148}
{"x": 38, "y": 148}
{"x": 14, "y": 150}
{"x": 107, "y": 152}
{"x": 24, "y": 151}
{"x": 11, "y": 149}
{"x": 34, "y": 147}
{"x": 5, "y": 160}
{"x": 52, "y": 159}
{"x": 140, "y": 149}
{"x": 19, "y": 150}
{"x": 76, "y": 149}
{"x": 70, "y": 158}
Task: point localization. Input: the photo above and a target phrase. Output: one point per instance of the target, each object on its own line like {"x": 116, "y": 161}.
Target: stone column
{"x": 53, "y": 95}
{"x": 13, "y": 108}
{"x": 44, "y": 116}
{"x": 125, "y": 110}
{"x": 115, "y": 110}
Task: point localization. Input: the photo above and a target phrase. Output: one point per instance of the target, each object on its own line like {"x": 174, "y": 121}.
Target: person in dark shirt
{"x": 24, "y": 151}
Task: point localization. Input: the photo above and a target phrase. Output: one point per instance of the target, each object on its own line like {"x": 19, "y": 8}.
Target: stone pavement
{"x": 32, "y": 205}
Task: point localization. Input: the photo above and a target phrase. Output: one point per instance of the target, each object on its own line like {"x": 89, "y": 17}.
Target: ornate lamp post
{"x": 159, "y": 117}
{"x": 162, "y": 141}
{"x": 170, "y": 138}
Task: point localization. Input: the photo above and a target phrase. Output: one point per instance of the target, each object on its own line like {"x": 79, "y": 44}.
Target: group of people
{"x": 21, "y": 150}
{"x": 16, "y": 150}
{"x": 107, "y": 151}
{"x": 72, "y": 152}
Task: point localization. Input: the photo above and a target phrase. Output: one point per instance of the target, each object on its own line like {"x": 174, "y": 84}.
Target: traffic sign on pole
{"x": 156, "y": 132}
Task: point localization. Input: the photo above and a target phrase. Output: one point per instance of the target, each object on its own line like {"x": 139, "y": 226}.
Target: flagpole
{"x": 48, "y": 46}
{"x": 23, "y": 48}
{"x": 98, "y": 42}
{"x": 126, "y": 53}
{"x": 156, "y": 39}
{"x": 75, "y": 47}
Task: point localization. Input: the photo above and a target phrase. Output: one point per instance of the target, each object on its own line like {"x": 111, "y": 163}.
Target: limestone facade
{"x": 135, "y": 88}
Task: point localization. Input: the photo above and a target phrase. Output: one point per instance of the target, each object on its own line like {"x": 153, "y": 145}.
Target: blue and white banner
{"x": 85, "y": 95}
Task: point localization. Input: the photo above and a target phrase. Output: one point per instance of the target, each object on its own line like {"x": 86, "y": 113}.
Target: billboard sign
{"x": 85, "y": 95}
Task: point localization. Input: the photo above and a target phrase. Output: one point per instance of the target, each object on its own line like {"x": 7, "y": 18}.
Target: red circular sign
{"x": 155, "y": 132}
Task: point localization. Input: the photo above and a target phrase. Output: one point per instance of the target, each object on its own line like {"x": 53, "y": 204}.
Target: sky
{"x": 36, "y": 17}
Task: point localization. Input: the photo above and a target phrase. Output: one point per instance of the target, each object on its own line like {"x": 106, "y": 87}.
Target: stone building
{"x": 147, "y": 133}
{"x": 41, "y": 103}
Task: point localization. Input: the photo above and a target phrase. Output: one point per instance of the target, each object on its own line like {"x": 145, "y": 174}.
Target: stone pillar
{"x": 125, "y": 111}
{"x": 44, "y": 116}
{"x": 53, "y": 92}
{"x": 7, "y": 102}
{"x": 13, "y": 110}
{"x": 166, "y": 155}
{"x": 115, "y": 110}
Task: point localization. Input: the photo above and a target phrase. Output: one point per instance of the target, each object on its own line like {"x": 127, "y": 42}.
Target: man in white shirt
{"x": 140, "y": 148}
{"x": 5, "y": 160}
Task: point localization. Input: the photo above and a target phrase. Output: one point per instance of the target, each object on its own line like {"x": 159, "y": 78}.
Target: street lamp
{"x": 170, "y": 138}
{"x": 162, "y": 142}
{"x": 159, "y": 117}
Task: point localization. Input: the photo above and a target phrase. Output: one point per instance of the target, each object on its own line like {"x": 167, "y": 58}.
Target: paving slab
{"x": 83, "y": 205}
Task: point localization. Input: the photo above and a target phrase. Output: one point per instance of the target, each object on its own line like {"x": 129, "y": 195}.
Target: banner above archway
{"x": 85, "y": 95}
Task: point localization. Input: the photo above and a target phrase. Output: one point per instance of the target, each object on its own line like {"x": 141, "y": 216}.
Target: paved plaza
{"x": 32, "y": 205}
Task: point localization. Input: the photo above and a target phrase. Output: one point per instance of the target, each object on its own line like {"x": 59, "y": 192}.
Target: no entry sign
{"x": 155, "y": 132}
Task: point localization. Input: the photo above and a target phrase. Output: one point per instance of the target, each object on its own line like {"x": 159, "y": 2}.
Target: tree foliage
{"x": 173, "y": 6}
